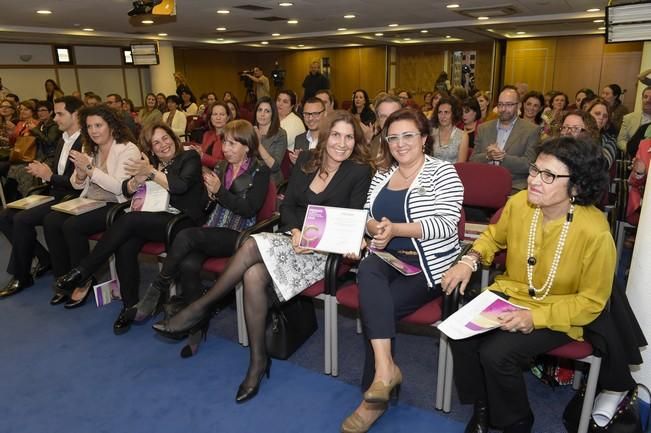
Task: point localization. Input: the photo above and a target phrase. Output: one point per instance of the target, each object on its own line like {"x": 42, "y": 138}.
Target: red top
{"x": 210, "y": 159}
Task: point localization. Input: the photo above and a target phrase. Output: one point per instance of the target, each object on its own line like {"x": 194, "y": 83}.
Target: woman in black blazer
{"x": 336, "y": 173}
{"x": 179, "y": 173}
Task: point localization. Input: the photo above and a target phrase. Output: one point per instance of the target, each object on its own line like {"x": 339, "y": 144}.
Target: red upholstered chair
{"x": 485, "y": 185}
{"x": 286, "y": 165}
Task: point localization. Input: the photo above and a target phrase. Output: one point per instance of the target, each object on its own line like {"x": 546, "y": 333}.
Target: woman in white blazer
{"x": 175, "y": 118}
{"x": 99, "y": 173}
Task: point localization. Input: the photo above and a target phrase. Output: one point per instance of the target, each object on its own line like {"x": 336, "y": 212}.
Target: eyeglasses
{"x": 312, "y": 114}
{"x": 408, "y": 137}
{"x": 572, "y": 129}
{"x": 546, "y": 175}
{"x": 506, "y": 104}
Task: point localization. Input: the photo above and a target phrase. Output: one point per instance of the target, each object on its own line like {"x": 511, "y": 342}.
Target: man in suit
{"x": 313, "y": 111}
{"x": 508, "y": 141}
{"x": 19, "y": 226}
{"x": 114, "y": 101}
{"x": 632, "y": 121}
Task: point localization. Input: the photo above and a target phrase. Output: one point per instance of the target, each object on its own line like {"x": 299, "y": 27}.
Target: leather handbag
{"x": 24, "y": 149}
{"x": 626, "y": 418}
{"x": 290, "y": 324}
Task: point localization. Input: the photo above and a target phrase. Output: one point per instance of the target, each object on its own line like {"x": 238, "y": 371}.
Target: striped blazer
{"x": 433, "y": 200}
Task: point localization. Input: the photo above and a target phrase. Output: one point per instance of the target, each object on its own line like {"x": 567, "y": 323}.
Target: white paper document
{"x": 477, "y": 316}
{"x": 333, "y": 229}
{"x": 150, "y": 197}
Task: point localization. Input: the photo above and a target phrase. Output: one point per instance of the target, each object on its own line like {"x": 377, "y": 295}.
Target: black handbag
{"x": 290, "y": 324}
{"x": 626, "y": 418}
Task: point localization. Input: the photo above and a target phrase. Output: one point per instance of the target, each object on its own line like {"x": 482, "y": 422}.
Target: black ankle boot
{"x": 479, "y": 421}
{"x": 522, "y": 426}
{"x": 153, "y": 299}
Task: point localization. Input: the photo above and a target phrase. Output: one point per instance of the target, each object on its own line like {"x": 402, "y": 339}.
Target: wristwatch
{"x": 89, "y": 167}
{"x": 151, "y": 175}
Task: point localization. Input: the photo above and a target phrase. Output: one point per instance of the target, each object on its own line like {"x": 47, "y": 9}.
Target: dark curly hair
{"x": 455, "y": 110}
{"x": 119, "y": 130}
{"x": 584, "y": 159}
{"x": 384, "y": 159}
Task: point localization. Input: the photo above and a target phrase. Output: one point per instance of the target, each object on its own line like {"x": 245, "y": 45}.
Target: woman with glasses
{"x": 336, "y": 173}
{"x": 560, "y": 267}
{"x": 414, "y": 205}
{"x": 600, "y": 110}
{"x": 579, "y": 124}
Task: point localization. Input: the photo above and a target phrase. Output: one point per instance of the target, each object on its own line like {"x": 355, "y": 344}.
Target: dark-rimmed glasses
{"x": 545, "y": 175}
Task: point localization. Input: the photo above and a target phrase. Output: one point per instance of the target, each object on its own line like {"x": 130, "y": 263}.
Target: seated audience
{"x": 427, "y": 102}
{"x": 579, "y": 124}
{"x": 470, "y": 119}
{"x": 114, "y": 101}
{"x": 189, "y": 103}
{"x": 174, "y": 118}
{"x": 561, "y": 298}
{"x": 579, "y": 97}
{"x": 233, "y": 108}
{"x": 336, "y": 173}
{"x": 449, "y": 142}
{"x": 161, "y": 102}
{"x": 99, "y": 173}
{"x": 611, "y": 93}
{"x": 7, "y": 111}
{"x": 19, "y": 181}
{"x": 19, "y": 226}
{"x": 361, "y": 107}
{"x": 385, "y": 105}
{"x": 600, "y": 110}
{"x": 289, "y": 121}
{"x": 149, "y": 114}
{"x": 165, "y": 163}
{"x": 418, "y": 229}
{"x": 553, "y": 114}
{"x": 47, "y": 132}
{"x": 52, "y": 91}
{"x": 632, "y": 121}
{"x": 313, "y": 112}
{"x": 484, "y": 100}
{"x": 273, "y": 138}
{"x": 328, "y": 99}
{"x": 210, "y": 149}
{"x": 130, "y": 109}
{"x": 532, "y": 108}
{"x": 507, "y": 141}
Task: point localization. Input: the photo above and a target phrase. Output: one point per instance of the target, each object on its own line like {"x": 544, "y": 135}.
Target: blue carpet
{"x": 65, "y": 371}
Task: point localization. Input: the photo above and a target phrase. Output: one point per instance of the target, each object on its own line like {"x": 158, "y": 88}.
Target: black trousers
{"x": 386, "y": 296}
{"x": 190, "y": 249}
{"x": 19, "y": 227}
{"x": 489, "y": 367}
{"x": 125, "y": 239}
{"x": 67, "y": 236}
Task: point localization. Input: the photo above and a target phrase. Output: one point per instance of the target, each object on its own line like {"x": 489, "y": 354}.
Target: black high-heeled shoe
{"x": 154, "y": 298}
{"x": 194, "y": 339}
{"x": 479, "y": 421}
{"x": 79, "y": 302}
{"x": 70, "y": 281}
{"x": 245, "y": 393}
{"x": 193, "y": 325}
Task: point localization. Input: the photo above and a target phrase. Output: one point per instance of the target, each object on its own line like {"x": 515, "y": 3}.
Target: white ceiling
{"x": 318, "y": 20}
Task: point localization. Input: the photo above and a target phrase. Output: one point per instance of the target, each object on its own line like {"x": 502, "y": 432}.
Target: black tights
{"x": 247, "y": 266}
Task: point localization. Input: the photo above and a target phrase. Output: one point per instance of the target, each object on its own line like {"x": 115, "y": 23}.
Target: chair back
{"x": 461, "y": 226}
{"x": 269, "y": 206}
{"x": 286, "y": 165}
{"x": 485, "y": 185}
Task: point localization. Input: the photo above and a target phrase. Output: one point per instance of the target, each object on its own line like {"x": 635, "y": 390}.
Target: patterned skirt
{"x": 291, "y": 273}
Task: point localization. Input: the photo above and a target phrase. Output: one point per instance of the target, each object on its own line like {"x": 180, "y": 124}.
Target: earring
{"x": 572, "y": 199}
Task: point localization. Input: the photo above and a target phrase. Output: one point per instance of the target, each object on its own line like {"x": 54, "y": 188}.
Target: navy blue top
{"x": 391, "y": 204}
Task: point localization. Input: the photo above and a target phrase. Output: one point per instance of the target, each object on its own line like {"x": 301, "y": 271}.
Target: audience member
{"x": 313, "y": 112}
{"x": 314, "y": 81}
{"x": 260, "y": 83}
{"x": 149, "y": 114}
{"x": 210, "y": 149}
{"x": 181, "y": 84}
{"x": 52, "y": 91}
{"x": 188, "y": 103}
{"x": 19, "y": 181}
{"x": 161, "y": 102}
{"x": 47, "y": 132}
{"x": 91, "y": 99}
{"x": 449, "y": 142}
{"x": 385, "y": 105}
{"x": 114, "y": 101}
{"x": 289, "y": 121}
{"x": 328, "y": 99}
{"x": 273, "y": 138}
{"x": 532, "y": 108}
{"x": 611, "y": 94}
{"x": 600, "y": 110}
{"x": 579, "y": 97}
{"x": 361, "y": 107}
{"x": 484, "y": 100}
{"x": 174, "y": 118}
{"x": 632, "y": 121}
{"x": 553, "y": 114}
{"x": 470, "y": 119}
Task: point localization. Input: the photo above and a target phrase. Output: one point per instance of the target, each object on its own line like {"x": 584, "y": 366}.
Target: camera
{"x": 248, "y": 83}
{"x": 143, "y": 7}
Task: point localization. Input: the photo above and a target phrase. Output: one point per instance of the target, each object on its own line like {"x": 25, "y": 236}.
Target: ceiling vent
{"x": 491, "y": 12}
{"x": 252, "y": 8}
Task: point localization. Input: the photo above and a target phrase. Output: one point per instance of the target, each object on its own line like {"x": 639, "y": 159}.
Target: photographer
{"x": 260, "y": 82}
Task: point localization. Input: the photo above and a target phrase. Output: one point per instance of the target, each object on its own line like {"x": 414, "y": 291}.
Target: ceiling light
{"x": 220, "y": 39}
{"x": 393, "y": 25}
{"x": 379, "y": 34}
{"x": 483, "y": 18}
{"x": 43, "y": 12}
{"x": 424, "y": 31}
{"x": 147, "y": 21}
{"x": 162, "y": 34}
{"x": 593, "y": 10}
{"x": 350, "y": 16}
{"x": 264, "y": 43}
{"x": 275, "y": 34}
{"x": 285, "y": 4}
{"x": 520, "y": 33}
{"x": 221, "y": 29}
{"x": 452, "y": 6}
{"x": 223, "y": 11}
{"x": 447, "y": 36}
{"x": 598, "y": 21}
{"x": 301, "y": 45}
{"x": 342, "y": 29}
{"x": 88, "y": 29}
{"x": 407, "y": 39}
{"x": 292, "y": 22}
{"x": 601, "y": 28}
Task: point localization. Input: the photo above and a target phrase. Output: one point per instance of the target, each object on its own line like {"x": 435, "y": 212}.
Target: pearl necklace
{"x": 531, "y": 261}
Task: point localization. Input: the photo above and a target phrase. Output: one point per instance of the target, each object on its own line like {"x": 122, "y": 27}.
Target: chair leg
{"x": 440, "y": 377}
{"x": 358, "y": 329}
{"x": 327, "y": 338}
{"x": 576, "y": 382}
{"x": 590, "y": 392}
{"x": 112, "y": 269}
{"x": 2, "y": 196}
{"x": 485, "y": 275}
{"x": 449, "y": 380}
{"x": 242, "y": 336}
{"x": 334, "y": 337}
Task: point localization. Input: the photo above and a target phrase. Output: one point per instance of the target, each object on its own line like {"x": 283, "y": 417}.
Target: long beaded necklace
{"x": 531, "y": 260}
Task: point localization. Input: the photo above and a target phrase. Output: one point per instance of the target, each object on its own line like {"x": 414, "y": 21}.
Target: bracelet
{"x": 476, "y": 254}
{"x": 473, "y": 264}
{"x": 472, "y": 268}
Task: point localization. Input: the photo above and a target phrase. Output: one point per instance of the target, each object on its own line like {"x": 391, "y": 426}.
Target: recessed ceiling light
{"x": 43, "y": 12}
{"x": 601, "y": 28}
{"x": 349, "y": 16}
{"x": 220, "y": 39}
{"x": 379, "y": 34}
{"x": 292, "y": 22}
{"x": 483, "y": 18}
{"x": 520, "y": 33}
{"x": 424, "y": 31}
{"x": 147, "y": 21}
{"x": 162, "y": 34}
{"x": 452, "y": 6}
{"x": 490, "y": 30}
{"x": 393, "y": 25}
{"x": 447, "y": 36}
{"x": 88, "y": 29}
{"x": 285, "y": 4}
{"x": 275, "y": 34}
{"x": 593, "y": 10}
{"x": 407, "y": 39}
{"x": 223, "y": 11}
{"x": 301, "y": 45}
{"x": 264, "y": 43}
{"x": 221, "y": 29}
{"x": 598, "y": 21}
{"x": 342, "y": 29}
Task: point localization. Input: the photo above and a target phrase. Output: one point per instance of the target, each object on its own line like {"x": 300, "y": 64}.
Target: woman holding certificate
{"x": 414, "y": 207}
{"x": 559, "y": 267}
{"x": 335, "y": 173}
{"x": 174, "y": 176}
{"x": 99, "y": 173}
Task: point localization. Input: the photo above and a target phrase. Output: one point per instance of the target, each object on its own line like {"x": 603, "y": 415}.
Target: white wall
{"x": 27, "y": 83}
{"x": 26, "y": 54}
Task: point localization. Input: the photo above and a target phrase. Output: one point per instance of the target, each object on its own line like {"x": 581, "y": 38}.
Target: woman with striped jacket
{"x": 414, "y": 205}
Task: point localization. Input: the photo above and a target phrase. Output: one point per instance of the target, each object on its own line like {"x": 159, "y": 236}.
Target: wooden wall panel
{"x": 531, "y": 61}
{"x": 621, "y": 64}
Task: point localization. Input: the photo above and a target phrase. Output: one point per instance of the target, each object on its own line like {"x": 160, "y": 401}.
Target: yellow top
{"x": 585, "y": 273}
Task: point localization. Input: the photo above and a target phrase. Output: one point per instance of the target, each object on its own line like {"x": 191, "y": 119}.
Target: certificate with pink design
{"x": 333, "y": 229}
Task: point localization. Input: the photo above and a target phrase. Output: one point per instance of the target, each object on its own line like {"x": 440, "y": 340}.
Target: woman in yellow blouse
{"x": 560, "y": 265}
